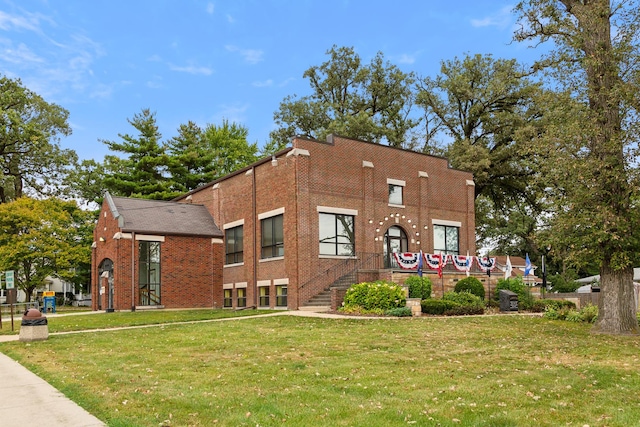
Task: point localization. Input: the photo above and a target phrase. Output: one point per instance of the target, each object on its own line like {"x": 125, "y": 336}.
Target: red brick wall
{"x": 333, "y": 175}
{"x": 191, "y": 268}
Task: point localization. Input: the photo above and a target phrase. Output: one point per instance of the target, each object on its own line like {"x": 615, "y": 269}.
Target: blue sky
{"x": 207, "y": 61}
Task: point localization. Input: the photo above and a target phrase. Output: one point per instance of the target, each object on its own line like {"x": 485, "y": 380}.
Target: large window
{"x": 273, "y": 237}
{"x": 446, "y": 239}
{"x": 336, "y": 234}
{"x": 149, "y": 273}
{"x": 233, "y": 245}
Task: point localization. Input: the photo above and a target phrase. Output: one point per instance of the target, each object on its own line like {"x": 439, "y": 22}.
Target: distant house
{"x": 316, "y": 216}
{"x": 149, "y": 253}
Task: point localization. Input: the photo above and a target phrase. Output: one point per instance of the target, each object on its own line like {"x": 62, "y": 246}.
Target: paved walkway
{"x": 26, "y": 399}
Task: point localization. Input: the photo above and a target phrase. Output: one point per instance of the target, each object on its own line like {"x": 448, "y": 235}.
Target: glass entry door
{"x": 395, "y": 241}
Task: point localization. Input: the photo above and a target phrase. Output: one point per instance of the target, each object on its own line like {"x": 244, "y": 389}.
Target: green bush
{"x": 465, "y": 298}
{"x": 357, "y": 310}
{"x": 541, "y": 305}
{"x": 419, "y": 287}
{"x": 437, "y": 306}
{"x": 589, "y": 313}
{"x": 399, "y": 312}
{"x": 515, "y": 284}
{"x": 464, "y": 310}
{"x": 375, "y": 295}
{"x": 574, "y": 316}
{"x": 470, "y": 284}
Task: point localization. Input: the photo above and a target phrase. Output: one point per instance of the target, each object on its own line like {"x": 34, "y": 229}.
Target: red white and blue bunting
{"x": 462, "y": 262}
{"x": 411, "y": 261}
{"x": 436, "y": 261}
{"x": 407, "y": 260}
{"x": 486, "y": 264}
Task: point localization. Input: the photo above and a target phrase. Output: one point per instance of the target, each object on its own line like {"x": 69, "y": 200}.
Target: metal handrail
{"x": 362, "y": 260}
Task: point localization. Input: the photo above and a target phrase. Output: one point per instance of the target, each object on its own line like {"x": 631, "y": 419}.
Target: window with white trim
{"x": 337, "y": 235}
{"x": 272, "y": 236}
{"x": 446, "y": 239}
{"x": 234, "y": 251}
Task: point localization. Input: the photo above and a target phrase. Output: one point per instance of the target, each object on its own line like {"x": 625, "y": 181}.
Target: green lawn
{"x": 506, "y": 370}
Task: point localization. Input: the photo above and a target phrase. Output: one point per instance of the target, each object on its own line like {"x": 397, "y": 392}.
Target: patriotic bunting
{"x": 486, "y": 264}
{"x": 461, "y": 262}
{"x": 407, "y": 260}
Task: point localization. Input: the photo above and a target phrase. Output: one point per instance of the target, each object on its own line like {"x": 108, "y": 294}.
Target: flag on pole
{"x": 441, "y": 264}
{"x": 527, "y": 266}
{"x": 420, "y": 265}
{"x": 468, "y": 264}
{"x": 507, "y": 269}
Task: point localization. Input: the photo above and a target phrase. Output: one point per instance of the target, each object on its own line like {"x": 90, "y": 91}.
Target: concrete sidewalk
{"x": 26, "y": 399}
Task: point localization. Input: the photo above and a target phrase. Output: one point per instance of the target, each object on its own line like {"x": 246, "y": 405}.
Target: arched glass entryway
{"x": 105, "y": 284}
{"x": 395, "y": 240}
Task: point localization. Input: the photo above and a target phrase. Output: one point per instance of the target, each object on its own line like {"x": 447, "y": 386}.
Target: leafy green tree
{"x": 44, "y": 238}
{"x": 31, "y": 160}
{"x": 591, "y": 172}
{"x": 371, "y": 102}
{"x": 198, "y": 156}
{"x": 485, "y": 105}
{"x": 143, "y": 172}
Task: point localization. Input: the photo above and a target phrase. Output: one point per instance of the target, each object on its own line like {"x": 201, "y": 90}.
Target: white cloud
{"x": 18, "y": 55}
{"x": 8, "y": 22}
{"x": 230, "y": 19}
{"x": 252, "y": 56}
{"x": 265, "y": 83}
{"x": 500, "y": 19}
{"x": 210, "y": 8}
{"x": 192, "y": 69}
{"x": 405, "y": 58}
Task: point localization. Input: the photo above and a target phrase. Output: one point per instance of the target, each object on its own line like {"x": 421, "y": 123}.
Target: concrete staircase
{"x": 322, "y": 301}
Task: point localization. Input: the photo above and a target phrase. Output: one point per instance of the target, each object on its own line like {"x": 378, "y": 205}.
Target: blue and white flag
{"x": 527, "y": 266}
{"x": 420, "y": 264}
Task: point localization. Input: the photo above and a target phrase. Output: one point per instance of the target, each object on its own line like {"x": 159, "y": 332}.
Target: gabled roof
{"x": 161, "y": 217}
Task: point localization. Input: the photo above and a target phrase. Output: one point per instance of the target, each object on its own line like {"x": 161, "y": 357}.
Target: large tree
{"x": 44, "y": 238}
{"x": 590, "y": 169}
{"x": 366, "y": 101}
{"x": 143, "y": 170}
{"x": 31, "y": 160}
{"x": 198, "y": 156}
{"x": 486, "y": 108}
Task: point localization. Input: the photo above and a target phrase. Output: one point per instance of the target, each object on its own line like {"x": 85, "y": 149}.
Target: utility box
{"x": 49, "y": 299}
{"x": 508, "y": 300}
{"x": 34, "y": 326}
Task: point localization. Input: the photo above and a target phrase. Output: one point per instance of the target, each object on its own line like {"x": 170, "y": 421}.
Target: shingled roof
{"x": 161, "y": 217}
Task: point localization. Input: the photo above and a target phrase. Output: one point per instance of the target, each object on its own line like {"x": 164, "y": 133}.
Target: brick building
{"x": 321, "y": 213}
{"x": 149, "y": 253}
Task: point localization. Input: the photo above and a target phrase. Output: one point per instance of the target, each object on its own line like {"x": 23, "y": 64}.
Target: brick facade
{"x": 190, "y": 267}
{"x": 341, "y": 175}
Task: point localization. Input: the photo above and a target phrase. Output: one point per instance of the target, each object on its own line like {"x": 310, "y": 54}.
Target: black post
{"x": 544, "y": 276}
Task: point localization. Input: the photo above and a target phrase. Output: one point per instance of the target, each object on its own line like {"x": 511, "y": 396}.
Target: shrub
{"x": 589, "y": 313}
{"x": 541, "y": 305}
{"x": 354, "y": 309}
{"x": 375, "y": 295}
{"x": 515, "y": 284}
{"x": 419, "y": 287}
{"x": 399, "y": 312}
{"x": 464, "y": 310}
{"x": 470, "y": 284}
{"x": 574, "y": 316}
{"x": 437, "y": 306}
{"x": 465, "y": 298}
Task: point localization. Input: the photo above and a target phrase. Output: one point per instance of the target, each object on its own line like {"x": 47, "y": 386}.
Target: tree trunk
{"x": 616, "y": 307}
